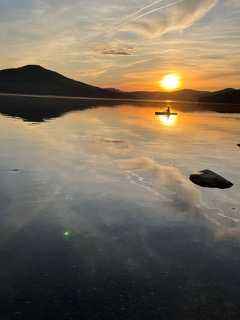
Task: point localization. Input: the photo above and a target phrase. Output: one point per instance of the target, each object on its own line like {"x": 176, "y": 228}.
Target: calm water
{"x": 99, "y": 220}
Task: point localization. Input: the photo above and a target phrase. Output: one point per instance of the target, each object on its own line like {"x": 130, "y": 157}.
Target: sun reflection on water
{"x": 168, "y": 120}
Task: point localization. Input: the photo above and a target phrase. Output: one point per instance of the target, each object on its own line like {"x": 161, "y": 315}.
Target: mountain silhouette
{"x": 228, "y": 95}
{"x": 186, "y": 94}
{"x": 36, "y": 80}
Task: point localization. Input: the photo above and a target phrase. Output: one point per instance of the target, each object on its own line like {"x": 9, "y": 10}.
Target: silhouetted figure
{"x": 166, "y": 113}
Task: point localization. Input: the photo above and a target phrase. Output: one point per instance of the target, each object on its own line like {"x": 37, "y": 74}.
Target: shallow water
{"x": 100, "y": 221}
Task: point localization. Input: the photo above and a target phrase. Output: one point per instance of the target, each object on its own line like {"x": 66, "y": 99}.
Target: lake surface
{"x": 99, "y": 220}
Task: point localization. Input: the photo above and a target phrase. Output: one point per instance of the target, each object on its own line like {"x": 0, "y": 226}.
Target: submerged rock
{"x": 14, "y": 170}
{"x": 238, "y": 145}
{"x": 210, "y": 179}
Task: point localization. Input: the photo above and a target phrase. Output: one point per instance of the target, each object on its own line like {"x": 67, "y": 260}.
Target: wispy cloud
{"x": 157, "y": 10}
{"x": 134, "y": 15}
{"x": 177, "y": 15}
{"x": 139, "y": 11}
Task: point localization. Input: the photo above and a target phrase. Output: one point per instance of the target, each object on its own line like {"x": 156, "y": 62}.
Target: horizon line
{"x": 117, "y": 89}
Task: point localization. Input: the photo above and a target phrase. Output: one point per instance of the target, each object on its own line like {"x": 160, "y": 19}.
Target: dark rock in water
{"x": 14, "y": 170}
{"x": 210, "y": 179}
{"x": 238, "y": 145}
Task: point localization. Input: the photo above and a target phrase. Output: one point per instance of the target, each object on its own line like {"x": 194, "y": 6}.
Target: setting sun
{"x": 170, "y": 82}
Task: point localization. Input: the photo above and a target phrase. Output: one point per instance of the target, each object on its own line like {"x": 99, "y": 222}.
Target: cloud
{"x": 169, "y": 180}
{"x": 118, "y": 48}
{"x": 117, "y": 52}
{"x": 177, "y": 15}
{"x": 157, "y": 9}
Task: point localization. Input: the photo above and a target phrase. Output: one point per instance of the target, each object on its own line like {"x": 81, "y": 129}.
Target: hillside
{"x": 224, "y": 96}
{"x": 33, "y": 79}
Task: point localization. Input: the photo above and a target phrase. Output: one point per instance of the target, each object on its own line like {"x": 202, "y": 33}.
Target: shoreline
{"x": 44, "y": 96}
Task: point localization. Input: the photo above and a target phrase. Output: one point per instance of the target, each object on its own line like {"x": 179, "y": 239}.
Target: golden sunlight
{"x": 170, "y": 82}
{"x": 168, "y": 120}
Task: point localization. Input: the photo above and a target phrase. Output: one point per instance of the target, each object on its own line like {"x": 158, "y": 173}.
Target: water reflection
{"x": 97, "y": 209}
{"x": 39, "y": 109}
{"x": 167, "y": 117}
{"x": 168, "y": 120}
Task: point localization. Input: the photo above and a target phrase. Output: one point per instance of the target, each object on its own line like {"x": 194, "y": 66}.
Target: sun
{"x": 170, "y": 82}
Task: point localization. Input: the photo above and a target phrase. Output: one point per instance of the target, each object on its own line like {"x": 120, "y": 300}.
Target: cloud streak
{"x": 175, "y": 16}
{"x": 137, "y": 13}
{"x": 118, "y": 52}
{"x": 157, "y": 9}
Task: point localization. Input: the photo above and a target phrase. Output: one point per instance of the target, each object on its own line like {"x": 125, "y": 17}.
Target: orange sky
{"x": 125, "y": 44}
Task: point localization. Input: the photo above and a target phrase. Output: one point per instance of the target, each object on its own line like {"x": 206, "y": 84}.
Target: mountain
{"x": 223, "y": 96}
{"x": 33, "y": 79}
{"x": 36, "y": 80}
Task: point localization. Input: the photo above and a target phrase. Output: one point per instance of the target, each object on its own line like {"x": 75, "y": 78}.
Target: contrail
{"x": 142, "y": 9}
{"x": 137, "y": 17}
{"x": 157, "y": 9}
{"x": 135, "y": 14}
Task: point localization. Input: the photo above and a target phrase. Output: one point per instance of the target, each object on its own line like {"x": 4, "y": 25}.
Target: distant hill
{"x": 224, "y": 96}
{"x": 34, "y": 79}
{"x": 188, "y": 95}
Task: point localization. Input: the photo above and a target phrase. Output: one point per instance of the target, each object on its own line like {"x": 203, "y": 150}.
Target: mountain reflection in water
{"x": 42, "y": 108}
{"x": 100, "y": 221}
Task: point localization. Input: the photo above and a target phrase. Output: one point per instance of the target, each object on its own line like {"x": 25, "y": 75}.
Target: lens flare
{"x": 66, "y": 234}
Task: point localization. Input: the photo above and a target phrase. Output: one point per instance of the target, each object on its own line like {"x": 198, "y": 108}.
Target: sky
{"x": 126, "y": 44}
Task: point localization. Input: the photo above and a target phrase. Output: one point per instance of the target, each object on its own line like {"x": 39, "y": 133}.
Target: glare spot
{"x": 168, "y": 120}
